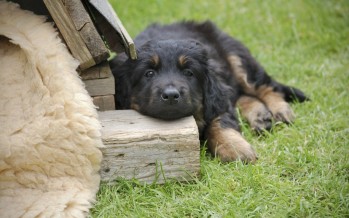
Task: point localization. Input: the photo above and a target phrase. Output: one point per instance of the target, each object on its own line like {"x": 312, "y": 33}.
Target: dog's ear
{"x": 216, "y": 96}
{"x": 121, "y": 68}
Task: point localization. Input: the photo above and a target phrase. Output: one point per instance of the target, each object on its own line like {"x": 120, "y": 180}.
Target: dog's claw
{"x": 263, "y": 121}
{"x": 283, "y": 113}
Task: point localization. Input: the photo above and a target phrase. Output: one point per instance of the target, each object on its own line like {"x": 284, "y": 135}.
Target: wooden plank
{"x": 148, "y": 149}
{"x": 104, "y": 103}
{"x": 97, "y": 87}
{"x": 87, "y": 30}
{"x": 71, "y": 36}
{"x": 99, "y": 71}
{"x": 112, "y": 28}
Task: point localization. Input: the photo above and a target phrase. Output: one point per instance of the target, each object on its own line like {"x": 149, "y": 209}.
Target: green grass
{"x": 303, "y": 169}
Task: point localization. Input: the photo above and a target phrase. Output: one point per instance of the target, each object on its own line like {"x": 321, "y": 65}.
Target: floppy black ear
{"x": 216, "y": 94}
{"x": 121, "y": 69}
{"x": 216, "y": 97}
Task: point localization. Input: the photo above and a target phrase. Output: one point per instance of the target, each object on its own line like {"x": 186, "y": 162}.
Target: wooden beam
{"x": 148, "y": 149}
{"x": 103, "y": 86}
{"x": 71, "y": 36}
{"x": 84, "y": 25}
{"x": 104, "y": 103}
{"x": 112, "y": 28}
{"x": 99, "y": 71}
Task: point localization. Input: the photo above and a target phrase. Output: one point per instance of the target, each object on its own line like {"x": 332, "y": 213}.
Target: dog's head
{"x": 169, "y": 80}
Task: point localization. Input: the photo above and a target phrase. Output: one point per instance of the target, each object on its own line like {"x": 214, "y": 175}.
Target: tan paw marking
{"x": 276, "y": 104}
{"x": 228, "y": 144}
{"x": 255, "y": 112}
{"x": 282, "y": 112}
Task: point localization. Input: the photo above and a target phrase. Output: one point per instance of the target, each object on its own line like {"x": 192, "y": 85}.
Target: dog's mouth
{"x": 168, "y": 110}
{"x": 172, "y": 114}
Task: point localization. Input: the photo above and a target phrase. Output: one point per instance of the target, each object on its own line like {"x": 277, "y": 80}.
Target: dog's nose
{"x": 170, "y": 95}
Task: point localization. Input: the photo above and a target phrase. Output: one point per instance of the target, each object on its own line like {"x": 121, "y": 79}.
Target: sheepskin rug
{"x": 49, "y": 131}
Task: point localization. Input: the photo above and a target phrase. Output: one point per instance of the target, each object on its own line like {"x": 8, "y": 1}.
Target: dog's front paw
{"x": 260, "y": 118}
{"x": 255, "y": 112}
{"x": 237, "y": 152}
{"x": 228, "y": 145}
{"x": 277, "y": 105}
{"x": 282, "y": 112}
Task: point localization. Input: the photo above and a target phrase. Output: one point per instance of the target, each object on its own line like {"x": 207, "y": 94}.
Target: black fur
{"x": 205, "y": 86}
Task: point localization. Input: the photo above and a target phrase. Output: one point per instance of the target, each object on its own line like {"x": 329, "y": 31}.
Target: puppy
{"x": 191, "y": 68}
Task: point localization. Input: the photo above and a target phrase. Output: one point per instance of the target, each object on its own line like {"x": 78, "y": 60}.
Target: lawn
{"x": 303, "y": 168}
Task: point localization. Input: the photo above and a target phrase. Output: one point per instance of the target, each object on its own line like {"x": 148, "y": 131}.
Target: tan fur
{"x": 49, "y": 159}
{"x": 256, "y": 113}
{"x": 228, "y": 144}
{"x": 240, "y": 74}
{"x": 155, "y": 60}
{"x": 182, "y": 60}
{"x": 274, "y": 101}
{"x": 135, "y": 107}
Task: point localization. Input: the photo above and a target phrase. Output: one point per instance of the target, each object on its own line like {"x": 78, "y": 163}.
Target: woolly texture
{"x": 50, "y": 134}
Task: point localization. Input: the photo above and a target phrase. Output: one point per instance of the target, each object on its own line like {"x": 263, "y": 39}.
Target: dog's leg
{"x": 275, "y": 102}
{"x": 227, "y": 143}
{"x": 255, "y": 112}
{"x": 254, "y": 81}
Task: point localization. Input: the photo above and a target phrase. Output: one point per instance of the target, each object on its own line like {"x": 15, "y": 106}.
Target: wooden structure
{"x": 136, "y": 146}
{"x": 91, "y": 30}
{"x": 79, "y": 31}
{"x": 148, "y": 149}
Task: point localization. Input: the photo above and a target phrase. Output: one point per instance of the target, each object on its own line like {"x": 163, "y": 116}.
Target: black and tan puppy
{"x": 191, "y": 68}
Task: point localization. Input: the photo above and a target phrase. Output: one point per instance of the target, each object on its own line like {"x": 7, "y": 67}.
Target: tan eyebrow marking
{"x": 155, "y": 60}
{"x": 182, "y": 60}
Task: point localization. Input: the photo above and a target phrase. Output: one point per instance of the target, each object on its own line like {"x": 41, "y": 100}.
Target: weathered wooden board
{"x": 112, "y": 28}
{"x": 104, "y": 103}
{"x": 148, "y": 149}
{"x": 87, "y": 30}
{"x": 71, "y": 36}
{"x": 103, "y": 86}
{"x": 98, "y": 71}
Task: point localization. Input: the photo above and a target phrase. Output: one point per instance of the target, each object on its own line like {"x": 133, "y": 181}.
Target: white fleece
{"x": 49, "y": 131}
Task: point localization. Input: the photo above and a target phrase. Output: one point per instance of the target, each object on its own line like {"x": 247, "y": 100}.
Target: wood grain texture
{"x": 104, "y": 103}
{"x": 148, "y": 149}
{"x": 71, "y": 36}
{"x": 98, "y": 71}
{"x": 112, "y": 28}
{"x": 103, "y": 86}
{"x": 84, "y": 24}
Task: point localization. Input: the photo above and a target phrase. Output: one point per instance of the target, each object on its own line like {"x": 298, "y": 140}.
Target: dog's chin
{"x": 167, "y": 114}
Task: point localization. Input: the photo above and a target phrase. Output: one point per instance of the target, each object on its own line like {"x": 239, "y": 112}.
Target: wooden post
{"x": 104, "y": 102}
{"x": 99, "y": 71}
{"x": 112, "y": 28}
{"x": 99, "y": 83}
{"x": 84, "y": 25}
{"x": 148, "y": 149}
{"x": 102, "y": 86}
{"x": 71, "y": 36}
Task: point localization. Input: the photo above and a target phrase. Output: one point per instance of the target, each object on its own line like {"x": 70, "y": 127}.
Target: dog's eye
{"x": 149, "y": 73}
{"x": 188, "y": 73}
